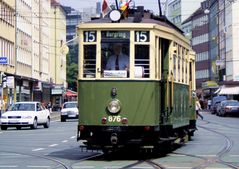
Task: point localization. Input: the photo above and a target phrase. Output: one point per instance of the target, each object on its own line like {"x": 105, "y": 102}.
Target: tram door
{"x": 164, "y": 54}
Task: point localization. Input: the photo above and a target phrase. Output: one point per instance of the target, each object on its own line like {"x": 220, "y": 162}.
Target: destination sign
{"x": 115, "y": 34}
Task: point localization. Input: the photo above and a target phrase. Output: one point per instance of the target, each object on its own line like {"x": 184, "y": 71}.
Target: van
{"x": 215, "y": 101}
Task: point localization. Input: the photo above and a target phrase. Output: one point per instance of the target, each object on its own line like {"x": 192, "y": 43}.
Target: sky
{"x": 80, "y": 4}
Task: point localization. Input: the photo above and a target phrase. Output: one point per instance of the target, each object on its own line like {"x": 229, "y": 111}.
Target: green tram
{"x": 148, "y": 98}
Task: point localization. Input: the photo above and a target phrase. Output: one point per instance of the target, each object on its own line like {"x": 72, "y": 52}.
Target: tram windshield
{"x": 115, "y": 60}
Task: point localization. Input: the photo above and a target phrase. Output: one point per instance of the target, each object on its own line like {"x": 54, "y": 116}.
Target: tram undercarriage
{"x": 144, "y": 137}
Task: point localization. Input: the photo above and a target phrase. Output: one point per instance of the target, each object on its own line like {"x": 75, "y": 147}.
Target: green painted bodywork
{"x": 181, "y": 109}
{"x": 141, "y": 103}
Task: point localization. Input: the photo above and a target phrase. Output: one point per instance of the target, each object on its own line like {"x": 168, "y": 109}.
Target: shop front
{"x": 57, "y": 97}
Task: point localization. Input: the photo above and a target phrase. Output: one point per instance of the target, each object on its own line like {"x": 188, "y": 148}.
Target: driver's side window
{"x": 89, "y": 65}
{"x": 115, "y": 60}
{"x": 38, "y": 107}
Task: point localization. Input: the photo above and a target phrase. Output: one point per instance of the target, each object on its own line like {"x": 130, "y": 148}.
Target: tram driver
{"x": 118, "y": 61}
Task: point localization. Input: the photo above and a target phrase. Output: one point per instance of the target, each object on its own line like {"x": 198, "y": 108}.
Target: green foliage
{"x": 72, "y": 68}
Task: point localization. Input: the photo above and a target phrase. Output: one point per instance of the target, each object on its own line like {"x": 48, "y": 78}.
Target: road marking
{"x": 8, "y": 166}
{"x": 9, "y": 154}
{"x": 207, "y": 155}
{"x": 177, "y": 155}
{"x": 0, "y": 132}
{"x": 53, "y": 145}
{"x": 64, "y": 141}
{"x": 234, "y": 155}
{"x": 33, "y": 166}
{"x": 173, "y": 167}
{"x": 38, "y": 149}
{"x": 73, "y": 137}
{"x": 54, "y": 154}
{"x": 108, "y": 167}
{"x": 84, "y": 167}
{"x": 216, "y": 168}
{"x": 179, "y": 167}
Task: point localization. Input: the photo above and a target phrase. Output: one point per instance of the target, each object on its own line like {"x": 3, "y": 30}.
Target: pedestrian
{"x": 198, "y": 107}
{"x": 49, "y": 107}
{"x": 2, "y": 105}
{"x": 209, "y": 102}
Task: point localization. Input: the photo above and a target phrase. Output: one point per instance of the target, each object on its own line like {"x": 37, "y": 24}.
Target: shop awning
{"x": 70, "y": 93}
{"x": 229, "y": 90}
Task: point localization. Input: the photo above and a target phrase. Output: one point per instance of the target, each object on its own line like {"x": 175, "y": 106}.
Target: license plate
{"x": 13, "y": 121}
{"x": 71, "y": 115}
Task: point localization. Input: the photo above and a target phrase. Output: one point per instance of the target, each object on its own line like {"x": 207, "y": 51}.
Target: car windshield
{"x": 70, "y": 105}
{"x": 232, "y": 104}
{"x": 23, "y": 107}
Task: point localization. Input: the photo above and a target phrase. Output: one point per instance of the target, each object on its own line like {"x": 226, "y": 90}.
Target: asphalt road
{"x": 57, "y": 147}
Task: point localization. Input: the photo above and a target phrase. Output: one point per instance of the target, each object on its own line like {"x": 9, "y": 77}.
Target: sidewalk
{"x": 55, "y": 115}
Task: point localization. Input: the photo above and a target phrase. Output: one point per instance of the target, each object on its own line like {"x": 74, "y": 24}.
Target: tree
{"x": 72, "y": 68}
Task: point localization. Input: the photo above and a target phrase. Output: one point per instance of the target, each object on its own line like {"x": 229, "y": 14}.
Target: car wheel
{"x": 34, "y": 125}
{"x": 3, "y": 127}
{"x": 47, "y": 124}
{"x": 223, "y": 114}
{"x": 19, "y": 127}
{"x": 63, "y": 119}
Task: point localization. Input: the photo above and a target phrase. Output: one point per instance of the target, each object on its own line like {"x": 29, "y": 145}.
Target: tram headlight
{"x": 114, "y": 106}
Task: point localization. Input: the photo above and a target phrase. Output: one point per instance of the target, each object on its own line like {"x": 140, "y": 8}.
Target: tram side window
{"x": 142, "y": 67}
{"x": 179, "y": 63}
{"x": 115, "y": 60}
{"x": 89, "y": 61}
{"x": 183, "y": 64}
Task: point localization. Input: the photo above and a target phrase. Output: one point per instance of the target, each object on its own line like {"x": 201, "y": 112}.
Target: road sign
{"x": 3, "y": 60}
{"x": 220, "y": 62}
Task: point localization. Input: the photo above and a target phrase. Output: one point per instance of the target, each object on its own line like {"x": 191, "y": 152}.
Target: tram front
{"x": 119, "y": 95}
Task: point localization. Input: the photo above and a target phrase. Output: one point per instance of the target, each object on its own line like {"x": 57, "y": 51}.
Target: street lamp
{"x": 207, "y": 12}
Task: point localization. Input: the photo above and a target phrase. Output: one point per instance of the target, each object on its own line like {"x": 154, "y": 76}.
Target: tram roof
{"x": 147, "y": 19}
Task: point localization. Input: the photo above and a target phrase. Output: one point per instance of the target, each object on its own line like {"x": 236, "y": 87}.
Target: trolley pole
{"x": 116, "y": 3}
{"x": 160, "y": 9}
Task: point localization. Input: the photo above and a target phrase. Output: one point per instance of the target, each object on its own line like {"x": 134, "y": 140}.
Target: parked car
{"x": 69, "y": 111}
{"x": 215, "y": 101}
{"x": 23, "y": 114}
{"x": 228, "y": 107}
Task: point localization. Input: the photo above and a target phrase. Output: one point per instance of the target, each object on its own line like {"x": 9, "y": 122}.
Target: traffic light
{"x": 2, "y": 77}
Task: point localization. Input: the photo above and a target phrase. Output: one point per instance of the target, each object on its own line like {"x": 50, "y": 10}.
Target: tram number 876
{"x": 114, "y": 118}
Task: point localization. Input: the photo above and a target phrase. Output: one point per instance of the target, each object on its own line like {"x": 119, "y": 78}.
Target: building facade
{"x": 57, "y": 53}
{"x": 25, "y": 50}
{"x": 180, "y": 10}
{"x": 215, "y": 39}
{"x": 200, "y": 44}
{"x": 7, "y": 47}
{"x": 73, "y": 18}
{"x": 230, "y": 30}
{"x": 32, "y": 51}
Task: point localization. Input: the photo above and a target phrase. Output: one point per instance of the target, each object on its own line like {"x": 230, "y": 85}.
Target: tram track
{"x": 56, "y": 161}
{"x": 60, "y": 163}
{"x": 150, "y": 162}
{"x": 218, "y": 159}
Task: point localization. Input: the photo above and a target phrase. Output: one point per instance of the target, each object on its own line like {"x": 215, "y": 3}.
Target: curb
{"x": 55, "y": 115}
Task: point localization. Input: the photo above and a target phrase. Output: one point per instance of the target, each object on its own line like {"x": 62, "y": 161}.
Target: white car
{"x": 25, "y": 114}
{"x": 69, "y": 111}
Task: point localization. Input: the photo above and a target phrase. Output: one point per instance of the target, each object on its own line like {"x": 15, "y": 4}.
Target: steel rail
{"x": 39, "y": 156}
{"x": 221, "y": 153}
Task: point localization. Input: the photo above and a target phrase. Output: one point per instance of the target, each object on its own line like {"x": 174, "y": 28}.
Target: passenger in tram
{"x": 118, "y": 61}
